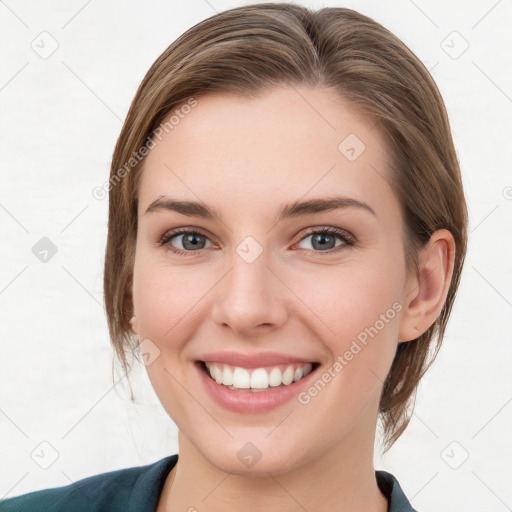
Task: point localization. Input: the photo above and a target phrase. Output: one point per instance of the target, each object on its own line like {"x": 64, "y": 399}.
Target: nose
{"x": 250, "y": 300}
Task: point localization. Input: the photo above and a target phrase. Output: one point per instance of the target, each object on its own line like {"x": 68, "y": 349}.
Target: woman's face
{"x": 257, "y": 277}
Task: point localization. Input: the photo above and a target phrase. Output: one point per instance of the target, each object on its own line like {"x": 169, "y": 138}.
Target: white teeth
{"x": 275, "y": 377}
{"x": 241, "y": 378}
{"x": 288, "y": 376}
{"x": 258, "y": 379}
{"x": 227, "y": 376}
{"x": 217, "y": 374}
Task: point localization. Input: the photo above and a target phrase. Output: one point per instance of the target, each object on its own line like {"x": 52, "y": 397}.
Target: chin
{"x": 246, "y": 458}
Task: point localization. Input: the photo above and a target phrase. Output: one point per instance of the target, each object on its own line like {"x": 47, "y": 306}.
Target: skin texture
{"x": 245, "y": 158}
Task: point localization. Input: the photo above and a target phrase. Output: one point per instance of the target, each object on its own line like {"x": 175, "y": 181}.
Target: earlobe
{"x": 133, "y": 323}
{"x": 428, "y": 289}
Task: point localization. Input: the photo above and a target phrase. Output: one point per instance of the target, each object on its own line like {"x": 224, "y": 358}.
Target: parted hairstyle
{"x": 251, "y": 49}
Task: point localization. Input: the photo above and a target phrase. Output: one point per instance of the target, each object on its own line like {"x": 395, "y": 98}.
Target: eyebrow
{"x": 295, "y": 209}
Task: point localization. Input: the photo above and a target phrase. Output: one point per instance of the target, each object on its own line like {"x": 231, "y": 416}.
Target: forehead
{"x": 285, "y": 144}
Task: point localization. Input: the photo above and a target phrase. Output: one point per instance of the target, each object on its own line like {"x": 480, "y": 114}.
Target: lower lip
{"x": 248, "y": 401}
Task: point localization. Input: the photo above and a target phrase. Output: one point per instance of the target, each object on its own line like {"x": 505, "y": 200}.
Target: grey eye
{"x": 189, "y": 241}
{"x": 321, "y": 241}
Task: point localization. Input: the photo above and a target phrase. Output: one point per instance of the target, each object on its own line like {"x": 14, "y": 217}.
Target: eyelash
{"x": 347, "y": 238}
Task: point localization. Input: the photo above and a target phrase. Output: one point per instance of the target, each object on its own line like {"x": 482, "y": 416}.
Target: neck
{"x": 340, "y": 479}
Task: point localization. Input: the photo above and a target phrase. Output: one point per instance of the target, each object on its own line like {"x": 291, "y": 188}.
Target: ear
{"x": 427, "y": 290}
{"x": 129, "y": 300}
{"x": 133, "y": 323}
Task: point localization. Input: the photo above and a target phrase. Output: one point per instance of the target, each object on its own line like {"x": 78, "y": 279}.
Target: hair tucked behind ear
{"x": 250, "y": 49}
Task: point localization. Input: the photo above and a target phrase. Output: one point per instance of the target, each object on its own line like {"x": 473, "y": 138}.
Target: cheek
{"x": 165, "y": 297}
{"x": 166, "y": 301}
{"x": 357, "y": 308}
{"x": 348, "y": 298}
{"x": 361, "y": 310}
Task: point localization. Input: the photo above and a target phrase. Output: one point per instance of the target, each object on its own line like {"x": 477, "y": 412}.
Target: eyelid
{"x": 165, "y": 240}
{"x": 342, "y": 233}
{"x": 168, "y": 235}
{"x": 347, "y": 238}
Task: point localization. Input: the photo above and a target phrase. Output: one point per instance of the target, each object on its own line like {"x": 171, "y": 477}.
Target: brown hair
{"x": 250, "y": 49}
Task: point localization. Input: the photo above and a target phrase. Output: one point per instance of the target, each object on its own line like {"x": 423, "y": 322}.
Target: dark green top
{"x": 138, "y": 489}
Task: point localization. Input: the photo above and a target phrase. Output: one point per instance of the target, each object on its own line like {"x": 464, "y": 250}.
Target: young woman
{"x": 287, "y": 229}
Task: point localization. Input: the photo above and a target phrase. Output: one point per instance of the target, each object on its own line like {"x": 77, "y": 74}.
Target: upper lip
{"x": 252, "y": 360}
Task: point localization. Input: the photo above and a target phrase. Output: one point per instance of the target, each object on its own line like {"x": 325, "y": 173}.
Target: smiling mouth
{"x": 257, "y": 379}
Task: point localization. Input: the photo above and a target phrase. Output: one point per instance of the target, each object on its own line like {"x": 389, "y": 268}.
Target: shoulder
{"x": 390, "y": 487}
{"x": 131, "y": 489}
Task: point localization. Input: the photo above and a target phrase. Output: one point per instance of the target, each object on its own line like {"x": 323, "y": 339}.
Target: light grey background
{"x": 61, "y": 115}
